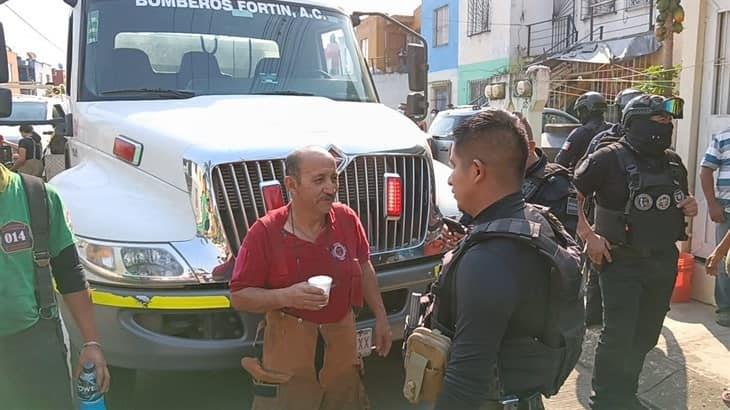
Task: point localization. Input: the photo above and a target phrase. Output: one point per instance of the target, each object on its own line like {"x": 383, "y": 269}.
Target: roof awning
{"x": 608, "y": 51}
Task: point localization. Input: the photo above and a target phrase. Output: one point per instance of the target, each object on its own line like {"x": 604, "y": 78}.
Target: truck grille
{"x": 361, "y": 186}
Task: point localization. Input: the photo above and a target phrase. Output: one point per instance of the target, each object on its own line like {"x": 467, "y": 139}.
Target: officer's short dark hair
{"x": 496, "y": 138}
{"x": 525, "y": 124}
{"x": 26, "y": 129}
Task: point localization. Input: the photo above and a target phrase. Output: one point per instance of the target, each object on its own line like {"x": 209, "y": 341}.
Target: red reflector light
{"x": 128, "y": 150}
{"x": 272, "y": 194}
{"x": 393, "y": 196}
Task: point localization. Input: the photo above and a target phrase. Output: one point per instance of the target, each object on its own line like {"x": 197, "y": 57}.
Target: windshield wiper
{"x": 155, "y": 92}
{"x": 285, "y": 92}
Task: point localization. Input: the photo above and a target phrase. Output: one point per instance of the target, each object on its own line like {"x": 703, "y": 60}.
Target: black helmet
{"x": 648, "y": 105}
{"x": 590, "y": 103}
{"x": 625, "y": 96}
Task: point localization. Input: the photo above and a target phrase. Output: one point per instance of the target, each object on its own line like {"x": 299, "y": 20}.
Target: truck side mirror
{"x": 6, "y": 103}
{"x": 4, "y": 76}
{"x": 417, "y": 68}
{"x": 416, "y": 105}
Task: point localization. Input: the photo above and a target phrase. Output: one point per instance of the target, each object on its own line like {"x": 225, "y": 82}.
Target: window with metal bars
{"x": 593, "y": 8}
{"x": 476, "y": 90}
{"x": 441, "y": 26}
{"x": 479, "y": 17}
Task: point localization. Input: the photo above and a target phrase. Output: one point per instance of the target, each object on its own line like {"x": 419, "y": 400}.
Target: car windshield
{"x": 26, "y": 111}
{"x": 444, "y": 124}
{"x": 164, "y": 49}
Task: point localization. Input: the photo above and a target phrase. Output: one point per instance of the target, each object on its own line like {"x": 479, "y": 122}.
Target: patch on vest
{"x": 339, "y": 251}
{"x": 643, "y": 202}
{"x": 679, "y": 196}
{"x": 15, "y": 237}
{"x": 663, "y": 202}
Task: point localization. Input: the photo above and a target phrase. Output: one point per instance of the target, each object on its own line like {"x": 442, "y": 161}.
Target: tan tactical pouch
{"x": 427, "y": 352}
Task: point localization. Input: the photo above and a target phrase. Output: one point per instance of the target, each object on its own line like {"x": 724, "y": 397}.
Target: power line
{"x": 34, "y": 29}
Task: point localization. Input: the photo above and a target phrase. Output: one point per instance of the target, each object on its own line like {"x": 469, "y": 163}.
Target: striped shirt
{"x": 717, "y": 157}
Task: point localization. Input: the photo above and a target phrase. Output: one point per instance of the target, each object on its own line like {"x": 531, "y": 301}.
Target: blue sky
{"x": 50, "y": 18}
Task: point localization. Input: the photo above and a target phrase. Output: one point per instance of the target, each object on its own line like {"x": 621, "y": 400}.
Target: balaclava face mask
{"x": 649, "y": 137}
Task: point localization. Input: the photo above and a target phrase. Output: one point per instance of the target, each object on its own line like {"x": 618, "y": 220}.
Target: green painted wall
{"x": 478, "y": 71}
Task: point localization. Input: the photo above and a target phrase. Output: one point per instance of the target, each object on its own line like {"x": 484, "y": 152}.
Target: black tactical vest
{"x": 650, "y": 218}
{"x": 542, "y": 363}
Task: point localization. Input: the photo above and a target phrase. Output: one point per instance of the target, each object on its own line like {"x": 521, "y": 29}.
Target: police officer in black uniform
{"x": 546, "y": 183}
{"x": 614, "y": 133}
{"x": 594, "y": 309}
{"x": 591, "y": 108}
{"x": 499, "y": 288}
{"x": 549, "y": 184}
{"x": 642, "y": 199}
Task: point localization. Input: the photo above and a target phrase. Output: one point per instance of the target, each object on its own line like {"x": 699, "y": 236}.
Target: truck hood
{"x": 234, "y": 128}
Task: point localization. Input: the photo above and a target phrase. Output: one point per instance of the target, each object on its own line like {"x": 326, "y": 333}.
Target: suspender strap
{"x": 531, "y": 233}
{"x": 627, "y": 162}
{"x": 35, "y": 191}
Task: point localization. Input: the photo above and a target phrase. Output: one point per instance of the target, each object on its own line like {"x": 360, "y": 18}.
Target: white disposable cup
{"x": 323, "y": 282}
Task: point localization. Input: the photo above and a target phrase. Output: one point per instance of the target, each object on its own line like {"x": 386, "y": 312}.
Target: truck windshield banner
{"x": 238, "y": 7}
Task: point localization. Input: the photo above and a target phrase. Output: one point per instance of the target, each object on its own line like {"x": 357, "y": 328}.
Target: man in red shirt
{"x": 310, "y": 359}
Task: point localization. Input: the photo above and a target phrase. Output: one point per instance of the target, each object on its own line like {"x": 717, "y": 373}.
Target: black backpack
{"x": 546, "y": 362}
{"x": 38, "y": 209}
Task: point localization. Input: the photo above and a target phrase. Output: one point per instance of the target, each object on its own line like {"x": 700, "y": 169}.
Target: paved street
{"x": 687, "y": 371}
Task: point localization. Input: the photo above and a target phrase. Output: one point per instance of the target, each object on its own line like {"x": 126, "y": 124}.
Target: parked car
{"x": 556, "y": 126}
{"x": 27, "y": 109}
{"x": 442, "y": 129}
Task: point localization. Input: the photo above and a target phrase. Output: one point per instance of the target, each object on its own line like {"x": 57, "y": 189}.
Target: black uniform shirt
{"x": 501, "y": 292}
{"x": 602, "y": 174}
{"x": 555, "y": 191}
{"x": 33, "y": 150}
{"x": 614, "y": 134}
{"x": 577, "y": 143}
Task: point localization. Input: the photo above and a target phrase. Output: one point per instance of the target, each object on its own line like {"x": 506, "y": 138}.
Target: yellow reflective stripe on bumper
{"x": 160, "y": 302}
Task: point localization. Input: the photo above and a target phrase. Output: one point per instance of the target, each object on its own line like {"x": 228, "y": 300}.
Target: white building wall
{"x": 488, "y": 46}
{"x": 525, "y": 12}
{"x": 630, "y": 17}
{"x": 508, "y": 35}
{"x": 694, "y": 133}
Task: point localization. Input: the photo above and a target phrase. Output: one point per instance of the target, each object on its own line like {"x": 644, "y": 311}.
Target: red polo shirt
{"x": 272, "y": 258}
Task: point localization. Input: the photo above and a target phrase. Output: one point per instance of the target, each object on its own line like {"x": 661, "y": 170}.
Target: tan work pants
{"x": 289, "y": 348}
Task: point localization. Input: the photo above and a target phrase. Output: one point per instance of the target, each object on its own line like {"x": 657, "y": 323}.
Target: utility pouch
{"x": 427, "y": 353}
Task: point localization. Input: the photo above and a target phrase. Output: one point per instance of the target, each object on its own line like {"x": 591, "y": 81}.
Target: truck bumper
{"x": 195, "y": 329}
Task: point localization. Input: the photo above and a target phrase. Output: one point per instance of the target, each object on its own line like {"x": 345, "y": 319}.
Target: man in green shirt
{"x": 34, "y": 367}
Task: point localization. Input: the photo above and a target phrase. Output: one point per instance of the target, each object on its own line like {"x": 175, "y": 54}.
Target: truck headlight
{"x": 140, "y": 263}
